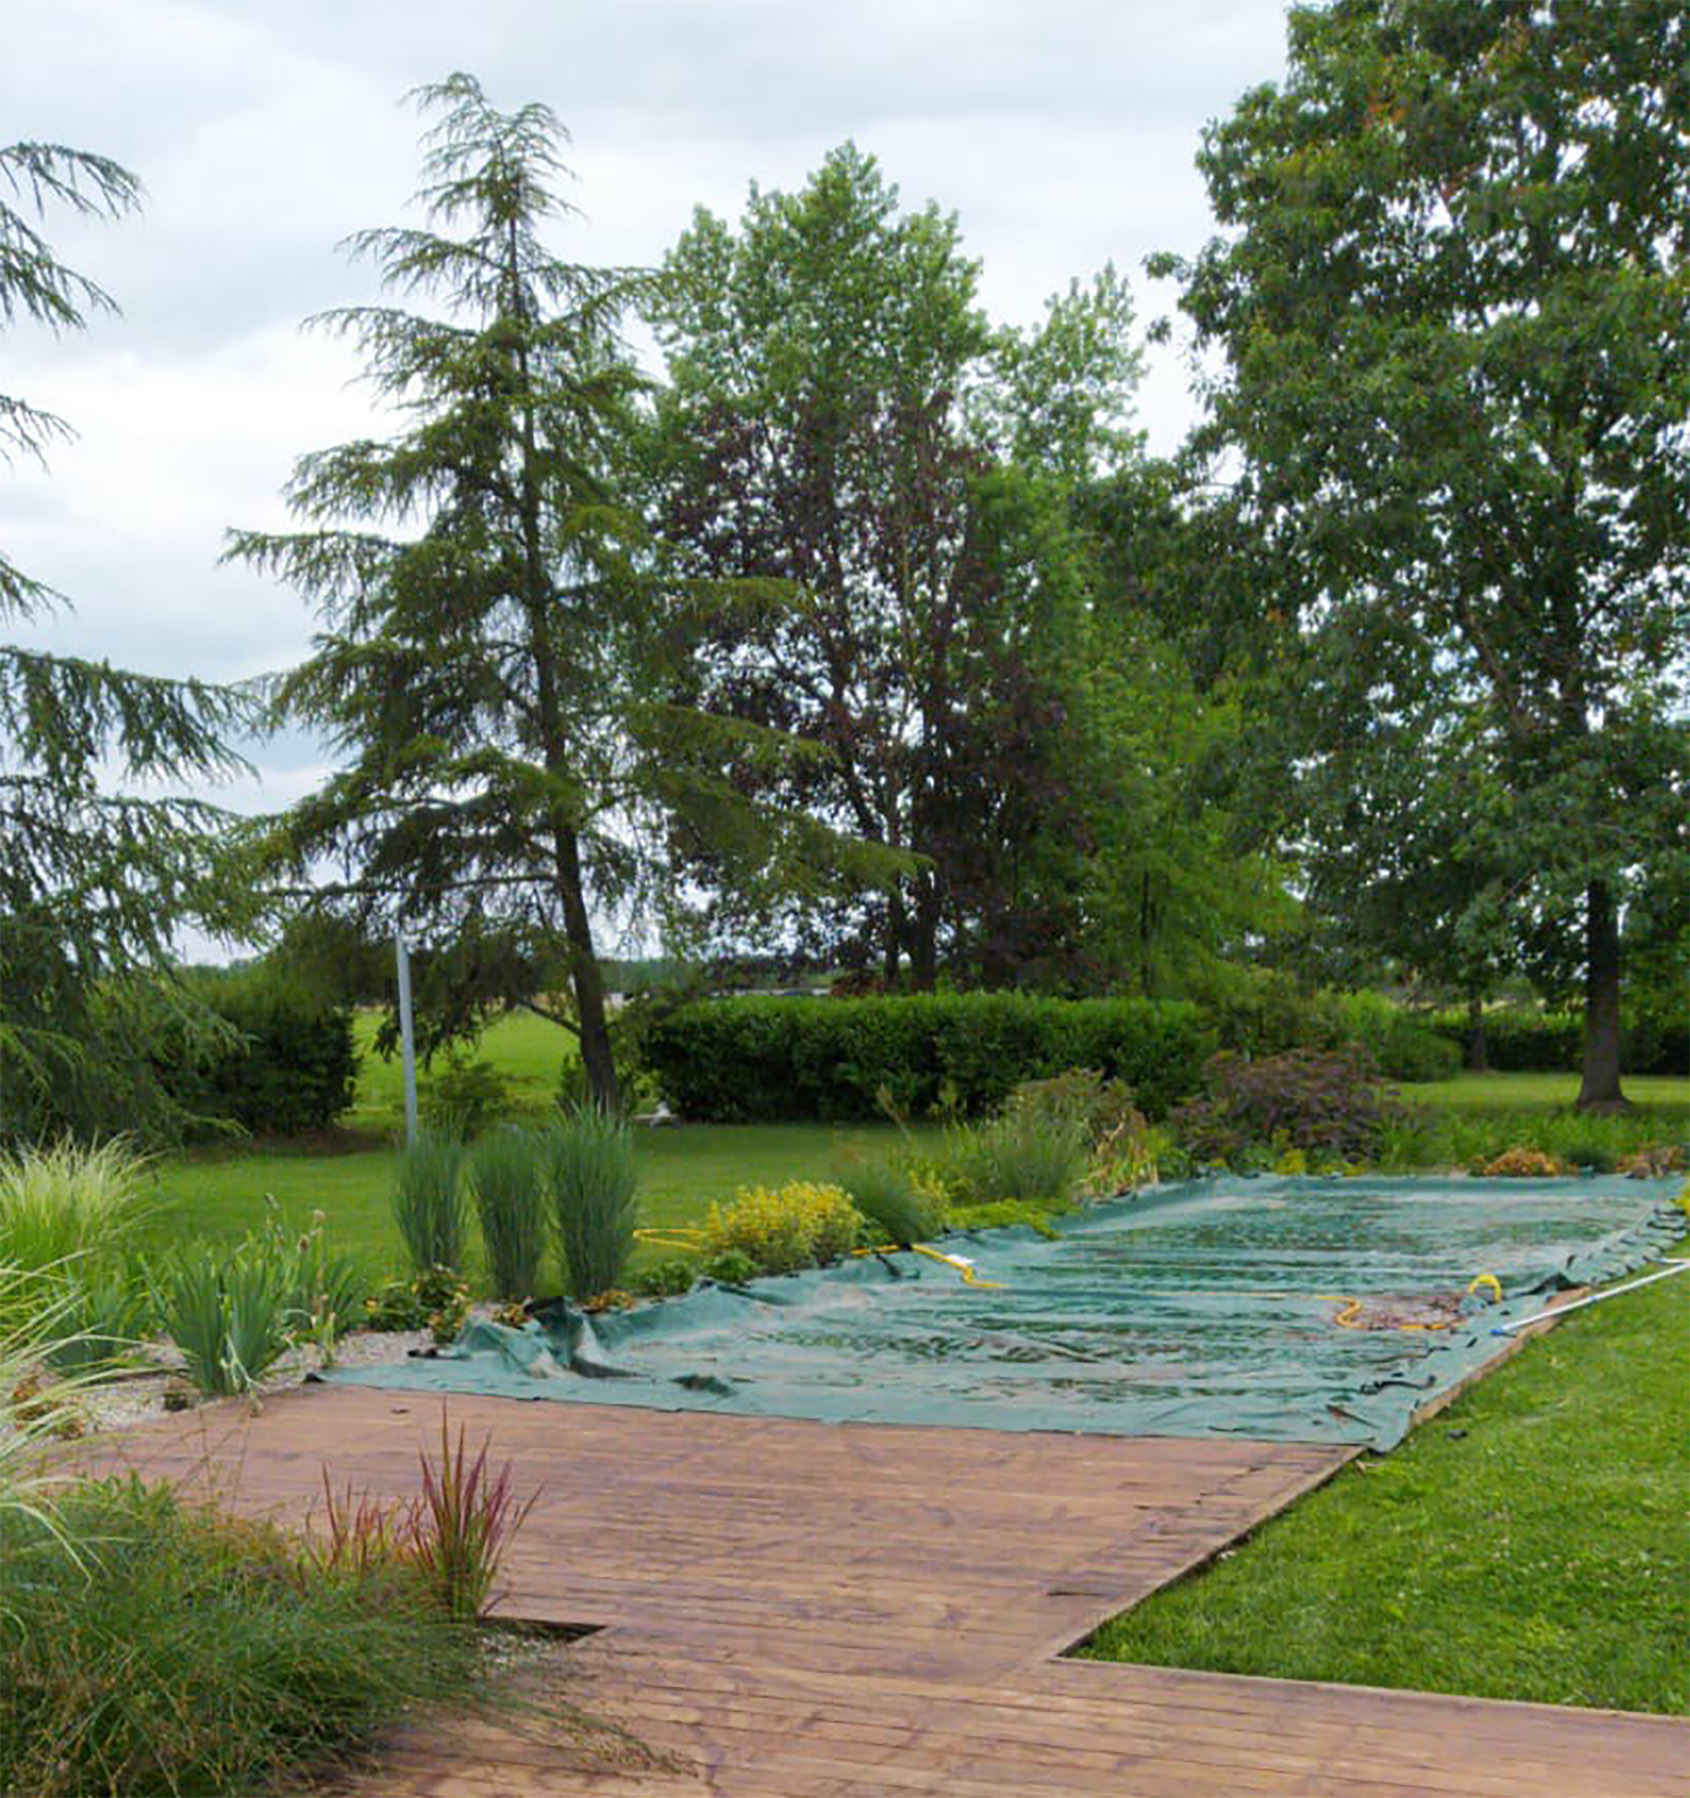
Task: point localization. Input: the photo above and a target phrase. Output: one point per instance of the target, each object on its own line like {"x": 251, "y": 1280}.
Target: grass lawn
{"x": 1529, "y": 1543}
{"x": 225, "y": 1192}
{"x": 1541, "y": 1092}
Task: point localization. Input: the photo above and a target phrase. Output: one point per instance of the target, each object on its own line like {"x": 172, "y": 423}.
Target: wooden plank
{"x": 802, "y": 1610}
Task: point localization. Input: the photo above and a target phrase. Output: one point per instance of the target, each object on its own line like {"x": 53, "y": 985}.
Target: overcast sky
{"x": 1061, "y": 132}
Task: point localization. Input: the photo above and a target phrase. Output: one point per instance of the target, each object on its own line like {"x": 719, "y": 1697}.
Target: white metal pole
{"x": 407, "y": 1038}
{"x": 1665, "y": 1273}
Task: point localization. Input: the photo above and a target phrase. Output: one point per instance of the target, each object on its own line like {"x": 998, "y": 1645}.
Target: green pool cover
{"x": 1266, "y": 1308}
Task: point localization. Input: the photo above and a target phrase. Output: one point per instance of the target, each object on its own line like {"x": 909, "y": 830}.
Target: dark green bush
{"x": 292, "y": 1069}
{"x": 761, "y": 1060}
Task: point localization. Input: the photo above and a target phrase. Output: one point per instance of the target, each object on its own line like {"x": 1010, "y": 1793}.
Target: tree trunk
{"x": 1600, "y": 1090}
{"x": 1477, "y": 1059}
{"x": 924, "y": 936}
{"x": 894, "y": 947}
{"x": 585, "y": 977}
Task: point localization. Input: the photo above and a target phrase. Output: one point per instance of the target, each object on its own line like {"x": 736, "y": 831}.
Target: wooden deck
{"x": 797, "y": 1610}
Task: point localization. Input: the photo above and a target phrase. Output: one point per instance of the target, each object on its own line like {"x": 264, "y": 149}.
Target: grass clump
{"x": 185, "y": 1652}
{"x": 897, "y": 1211}
{"x": 1026, "y": 1156}
{"x": 589, "y": 1158}
{"x": 1527, "y": 1543}
{"x": 428, "y": 1200}
{"x": 508, "y": 1178}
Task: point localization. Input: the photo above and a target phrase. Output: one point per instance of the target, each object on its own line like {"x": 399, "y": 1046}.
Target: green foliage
{"x": 69, "y": 1219}
{"x": 1030, "y": 1156}
{"x": 1096, "y": 1106}
{"x": 184, "y": 1651}
{"x": 105, "y": 1314}
{"x": 67, "y": 1208}
{"x": 428, "y": 1200}
{"x": 667, "y": 1279}
{"x": 591, "y": 1174}
{"x": 499, "y": 659}
{"x": 731, "y": 1267}
{"x": 286, "y": 1063}
{"x": 1446, "y": 302}
{"x": 756, "y": 1059}
{"x": 899, "y": 1211}
{"x": 92, "y": 886}
{"x": 436, "y": 1299}
{"x": 837, "y": 432}
{"x": 231, "y": 1312}
{"x": 801, "y": 1225}
{"x": 507, "y": 1175}
{"x": 1521, "y": 1040}
{"x": 1424, "y": 1136}
{"x": 465, "y": 1098}
{"x": 1327, "y": 1105}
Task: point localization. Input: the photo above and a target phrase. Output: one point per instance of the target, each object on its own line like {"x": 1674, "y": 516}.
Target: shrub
{"x": 508, "y": 1178}
{"x": 667, "y": 1279}
{"x": 232, "y": 1313}
{"x": 731, "y": 1267}
{"x": 182, "y": 1651}
{"x": 801, "y": 1225}
{"x": 68, "y": 1202}
{"x": 467, "y": 1098}
{"x": 888, "y": 1198}
{"x": 1080, "y": 1096}
{"x": 428, "y": 1200}
{"x": 1425, "y": 1136}
{"x": 760, "y": 1060}
{"x": 1328, "y": 1104}
{"x": 436, "y": 1300}
{"x": 591, "y": 1174}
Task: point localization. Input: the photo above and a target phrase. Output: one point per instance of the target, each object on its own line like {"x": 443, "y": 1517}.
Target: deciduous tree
{"x": 1451, "y": 301}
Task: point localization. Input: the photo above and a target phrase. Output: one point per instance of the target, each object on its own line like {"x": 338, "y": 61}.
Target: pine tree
{"x": 92, "y": 885}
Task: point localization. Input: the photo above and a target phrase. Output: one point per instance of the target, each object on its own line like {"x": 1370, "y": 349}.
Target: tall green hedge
{"x": 1519, "y": 1041}
{"x": 764, "y": 1060}
{"x": 292, "y": 1067}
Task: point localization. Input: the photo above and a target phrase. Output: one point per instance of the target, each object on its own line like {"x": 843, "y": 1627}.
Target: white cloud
{"x": 1062, "y": 135}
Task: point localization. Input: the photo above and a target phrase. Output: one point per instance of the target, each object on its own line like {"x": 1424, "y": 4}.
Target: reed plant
{"x": 508, "y": 1179}
{"x": 428, "y": 1200}
{"x": 591, "y": 1176}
